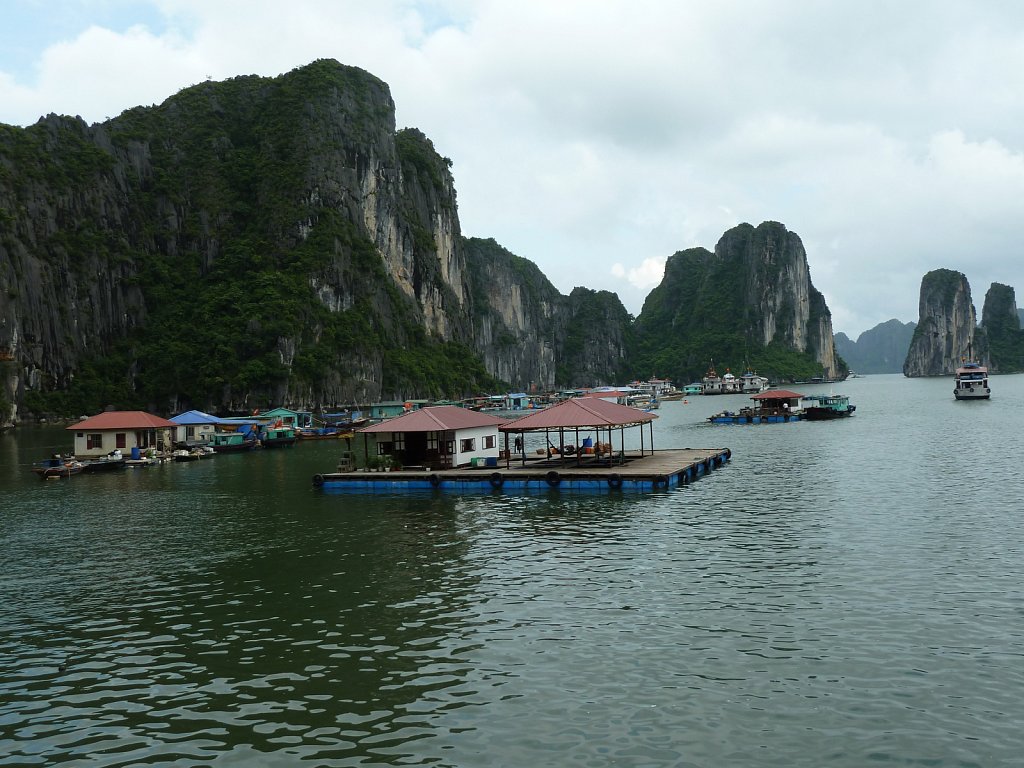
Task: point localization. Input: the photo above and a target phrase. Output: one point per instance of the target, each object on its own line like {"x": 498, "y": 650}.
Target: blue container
{"x": 136, "y": 454}
{"x": 492, "y": 461}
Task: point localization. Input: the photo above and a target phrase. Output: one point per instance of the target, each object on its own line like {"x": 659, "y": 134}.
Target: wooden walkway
{"x": 631, "y": 471}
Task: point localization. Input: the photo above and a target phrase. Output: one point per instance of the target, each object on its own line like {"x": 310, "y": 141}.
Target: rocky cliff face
{"x": 946, "y": 327}
{"x": 752, "y": 293}
{"x": 1000, "y": 321}
{"x": 530, "y": 334}
{"x": 257, "y": 241}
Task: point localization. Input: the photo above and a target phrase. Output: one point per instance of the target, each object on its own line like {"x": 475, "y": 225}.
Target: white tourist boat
{"x": 971, "y": 382}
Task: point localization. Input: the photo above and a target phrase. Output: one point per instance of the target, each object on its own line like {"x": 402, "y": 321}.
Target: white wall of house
{"x": 194, "y": 432}
{"x": 467, "y": 444}
{"x": 474, "y": 444}
{"x": 99, "y": 442}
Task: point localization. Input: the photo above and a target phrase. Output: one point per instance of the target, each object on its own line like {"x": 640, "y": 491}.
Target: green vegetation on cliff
{"x": 715, "y": 307}
{"x": 1001, "y": 324}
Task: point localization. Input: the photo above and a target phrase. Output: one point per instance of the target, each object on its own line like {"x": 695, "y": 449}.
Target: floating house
{"x": 598, "y": 466}
{"x": 122, "y": 430}
{"x": 436, "y": 437}
{"x": 194, "y": 428}
{"x": 771, "y": 407}
{"x": 287, "y": 418}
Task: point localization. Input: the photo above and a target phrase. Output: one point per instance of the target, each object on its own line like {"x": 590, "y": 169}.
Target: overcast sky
{"x": 598, "y": 137}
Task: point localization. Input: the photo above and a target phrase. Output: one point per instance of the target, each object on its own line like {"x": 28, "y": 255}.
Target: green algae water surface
{"x": 844, "y": 593}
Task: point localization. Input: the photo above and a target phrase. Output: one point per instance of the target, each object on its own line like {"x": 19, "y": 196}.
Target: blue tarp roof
{"x": 199, "y": 417}
{"x": 195, "y": 417}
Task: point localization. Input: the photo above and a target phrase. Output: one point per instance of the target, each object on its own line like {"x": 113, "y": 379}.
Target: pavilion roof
{"x": 580, "y": 412}
{"x": 777, "y": 394}
{"x": 436, "y": 418}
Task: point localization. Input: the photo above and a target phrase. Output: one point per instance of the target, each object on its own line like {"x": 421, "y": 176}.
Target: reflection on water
{"x": 839, "y": 595}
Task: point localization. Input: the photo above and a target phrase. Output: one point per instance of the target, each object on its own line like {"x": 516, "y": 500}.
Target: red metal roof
{"x": 123, "y": 420}
{"x": 776, "y": 394}
{"x": 436, "y": 418}
{"x": 580, "y": 412}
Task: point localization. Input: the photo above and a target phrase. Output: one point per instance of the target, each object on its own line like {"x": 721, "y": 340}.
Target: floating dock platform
{"x": 660, "y": 470}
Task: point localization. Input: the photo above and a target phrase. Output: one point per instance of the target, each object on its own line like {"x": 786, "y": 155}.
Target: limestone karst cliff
{"x": 265, "y": 241}
{"x": 946, "y": 328}
{"x": 254, "y": 241}
{"x": 751, "y": 302}
{"x": 1000, "y": 320}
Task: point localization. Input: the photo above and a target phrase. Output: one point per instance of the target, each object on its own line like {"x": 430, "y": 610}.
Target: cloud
{"x": 597, "y": 139}
{"x": 645, "y": 277}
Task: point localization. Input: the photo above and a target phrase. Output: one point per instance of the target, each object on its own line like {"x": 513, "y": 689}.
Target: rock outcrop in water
{"x": 750, "y": 303}
{"x": 1000, "y": 320}
{"x": 946, "y": 329}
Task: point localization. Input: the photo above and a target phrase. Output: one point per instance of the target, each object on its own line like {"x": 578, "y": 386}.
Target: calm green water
{"x": 841, "y": 594}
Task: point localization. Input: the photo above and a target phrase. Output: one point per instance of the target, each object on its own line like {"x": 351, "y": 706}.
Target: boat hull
{"x": 974, "y": 393}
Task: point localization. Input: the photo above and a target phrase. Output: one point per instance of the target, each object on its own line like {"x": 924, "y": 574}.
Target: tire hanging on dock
{"x": 496, "y": 480}
{"x": 435, "y": 480}
{"x": 318, "y": 480}
{"x": 660, "y": 481}
{"x": 614, "y": 481}
{"x": 553, "y": 478}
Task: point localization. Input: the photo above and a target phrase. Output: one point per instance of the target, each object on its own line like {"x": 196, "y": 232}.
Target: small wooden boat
{"x": 106, "y": 463}
{"x": 56, "y": 468}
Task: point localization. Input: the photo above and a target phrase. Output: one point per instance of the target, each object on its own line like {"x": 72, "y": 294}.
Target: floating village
{"x": 573, "y": 440}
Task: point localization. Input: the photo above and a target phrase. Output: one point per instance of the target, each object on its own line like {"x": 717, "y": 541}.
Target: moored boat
{"x": 771, "y": 407}
{"x": 277, "y": 437}
{"x": 57, "y": 467}
{"x": 822, "y": 407}
{"x": 106, "y": 463}
{"x": 229, "y": 442}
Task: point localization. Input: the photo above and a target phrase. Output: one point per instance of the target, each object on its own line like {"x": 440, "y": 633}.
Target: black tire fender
{"x": 614, "y": 481}
{"x": 553, "y": 478}
{"x": 661, "y": 481}
{"x": 496, "y": 480}
{"x": 318, "y": 480}
{"x": 435, "y": 480}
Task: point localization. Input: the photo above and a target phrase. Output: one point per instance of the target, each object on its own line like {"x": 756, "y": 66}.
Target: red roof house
{"x": 121, "y": 430}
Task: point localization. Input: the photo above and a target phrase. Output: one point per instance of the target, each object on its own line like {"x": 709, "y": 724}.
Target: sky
{"x": 598, "y": 137}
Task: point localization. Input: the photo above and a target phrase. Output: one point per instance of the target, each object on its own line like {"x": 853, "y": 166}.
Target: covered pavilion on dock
{"x": 577, "y": 416}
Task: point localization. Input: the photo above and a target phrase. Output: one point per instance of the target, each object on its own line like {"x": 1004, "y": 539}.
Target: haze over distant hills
{"x": 881, "y": 349}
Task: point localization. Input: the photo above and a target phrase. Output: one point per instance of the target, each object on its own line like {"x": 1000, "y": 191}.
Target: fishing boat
{"x": 775, "y": 406}
{"x": 57, "y": 467}
{"x": 971, "y": 382}
{"x": 822, "y": 407}
{"x": 229, "y": 442}
{"x": 108, "y": 463}
{"x": 277, "y": 436}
